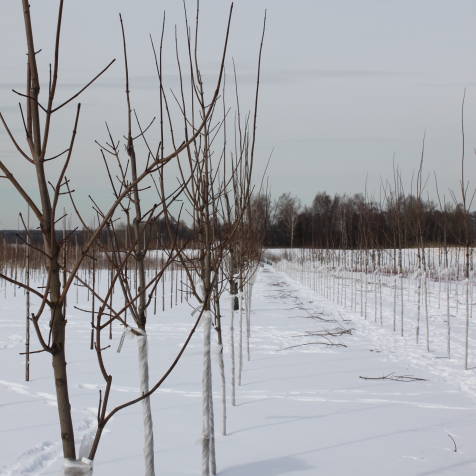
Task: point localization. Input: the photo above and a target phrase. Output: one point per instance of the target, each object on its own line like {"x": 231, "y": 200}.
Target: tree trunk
{"x": 232, "y": 352}
{"x": 221, "y": 363}
{"x": 213, "y": 463}
{"x": 240, "y": 342}
{"x": 248, "y": 318}
{"x": 206, "y": 395}
{"x": 142, "y": 351}
{"x": 58, "y": 325}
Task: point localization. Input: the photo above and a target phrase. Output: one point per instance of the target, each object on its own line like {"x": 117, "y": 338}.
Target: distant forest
{"x": 338, "y": 221}
{"x": 345, "y": 221}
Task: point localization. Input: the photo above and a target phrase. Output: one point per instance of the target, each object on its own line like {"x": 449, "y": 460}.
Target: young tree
{"x": 37, "y": 119}
{"x": 207, "y": 190}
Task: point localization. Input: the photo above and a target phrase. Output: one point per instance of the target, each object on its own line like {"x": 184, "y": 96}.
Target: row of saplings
{"x": 176, "y": 164}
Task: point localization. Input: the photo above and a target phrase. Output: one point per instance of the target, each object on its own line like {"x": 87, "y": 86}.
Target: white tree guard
{"x": 232, "y": 352}
{"x": 78, "y": 468}
{"x": 143, "y": 361}
{"x": 221, "y": 365}
{"x": 206, "y": 393}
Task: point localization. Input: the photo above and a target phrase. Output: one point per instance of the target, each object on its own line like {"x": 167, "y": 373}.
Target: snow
{"x": 301, "y": 410}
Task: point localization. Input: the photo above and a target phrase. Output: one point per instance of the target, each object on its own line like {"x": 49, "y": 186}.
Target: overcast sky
{"x": 347, "y": 85}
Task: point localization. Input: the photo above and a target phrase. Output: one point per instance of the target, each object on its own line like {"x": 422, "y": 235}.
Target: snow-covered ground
{"x": 301, "y": 410}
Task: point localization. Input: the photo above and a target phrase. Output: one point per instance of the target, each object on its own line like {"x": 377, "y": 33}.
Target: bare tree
{"x": 286, "y": 212}
{"x": 208, "y": 192}
{"x": 37, "y": 122}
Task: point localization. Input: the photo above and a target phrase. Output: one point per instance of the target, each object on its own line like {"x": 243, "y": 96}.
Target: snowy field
{"x": 432, "y": 308}
{"x": 302, "y": 408}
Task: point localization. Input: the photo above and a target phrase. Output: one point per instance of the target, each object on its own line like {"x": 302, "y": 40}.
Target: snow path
{"x": 300, "y": 411}
{"x": 329, "y": 421}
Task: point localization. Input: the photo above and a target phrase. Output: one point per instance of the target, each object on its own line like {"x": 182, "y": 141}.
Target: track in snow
{"x": 301, "y": 410}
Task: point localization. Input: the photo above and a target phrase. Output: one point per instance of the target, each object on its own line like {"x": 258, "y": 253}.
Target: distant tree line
{"x": 338, "y": 221}
{"x": 157, "y": 233}
{"x": 353, "y": 221}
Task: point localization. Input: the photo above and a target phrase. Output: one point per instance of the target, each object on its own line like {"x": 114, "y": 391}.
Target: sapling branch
{"x": 397, "y": 378}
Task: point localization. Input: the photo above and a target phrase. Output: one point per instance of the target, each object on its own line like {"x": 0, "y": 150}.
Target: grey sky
{"x": 346, "y": 84}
